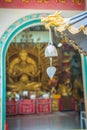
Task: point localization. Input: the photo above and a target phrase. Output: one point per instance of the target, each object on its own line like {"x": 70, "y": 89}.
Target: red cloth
{"x": 6, "y": 126}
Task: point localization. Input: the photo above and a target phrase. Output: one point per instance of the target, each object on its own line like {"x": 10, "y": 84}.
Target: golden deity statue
{"x": 26, "y": 67}
{"x": 65, "y": 88}
{"x": 22, "y": 72}
{"x": 22, "y": 65}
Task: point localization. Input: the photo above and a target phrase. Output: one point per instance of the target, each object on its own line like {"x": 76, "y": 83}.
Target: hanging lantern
{"x": 51, "y": 51}
{"x": 51, "y": 71}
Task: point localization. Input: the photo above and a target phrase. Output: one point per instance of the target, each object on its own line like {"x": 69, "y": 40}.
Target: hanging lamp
{"x": 50, "y": 52}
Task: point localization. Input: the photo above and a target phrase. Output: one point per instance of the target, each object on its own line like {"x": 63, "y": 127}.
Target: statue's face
{"x": 23, "y": 56}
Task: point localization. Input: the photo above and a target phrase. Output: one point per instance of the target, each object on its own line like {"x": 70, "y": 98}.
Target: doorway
{"x": 6, "y": 40}
{"x": 4, "y": 51}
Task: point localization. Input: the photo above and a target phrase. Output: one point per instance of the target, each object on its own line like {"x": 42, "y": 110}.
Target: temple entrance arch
{"x": 9, "y": 34}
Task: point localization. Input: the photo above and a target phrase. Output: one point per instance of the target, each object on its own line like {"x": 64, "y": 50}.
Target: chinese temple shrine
{"x": 43, "y": 66}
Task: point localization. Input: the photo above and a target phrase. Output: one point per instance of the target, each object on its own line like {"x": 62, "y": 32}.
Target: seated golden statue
{"x": 64, "y": 90}
{"x": 22, "y": 73}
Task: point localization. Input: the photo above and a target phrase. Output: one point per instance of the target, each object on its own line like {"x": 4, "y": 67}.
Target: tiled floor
{"x": 54, "y": 121}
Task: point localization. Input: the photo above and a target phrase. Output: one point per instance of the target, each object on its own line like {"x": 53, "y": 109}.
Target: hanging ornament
{"x": 51, "y": 71}
{"x": 51, "y": 51}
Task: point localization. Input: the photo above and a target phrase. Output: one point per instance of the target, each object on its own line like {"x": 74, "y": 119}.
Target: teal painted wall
{"x": 84, "y": 72}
